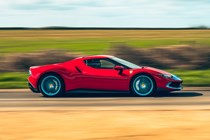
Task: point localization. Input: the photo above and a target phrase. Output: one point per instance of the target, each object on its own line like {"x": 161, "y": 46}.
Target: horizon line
{"x": 102, "y": 28}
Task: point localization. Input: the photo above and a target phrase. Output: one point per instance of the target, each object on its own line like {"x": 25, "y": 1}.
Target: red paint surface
{"x": 77, "y": 75}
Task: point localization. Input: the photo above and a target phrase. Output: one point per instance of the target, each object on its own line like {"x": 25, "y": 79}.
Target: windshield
{"x": 125, "y": 63}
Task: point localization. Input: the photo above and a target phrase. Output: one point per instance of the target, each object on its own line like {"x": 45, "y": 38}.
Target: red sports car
{"x": 100, "y": 72}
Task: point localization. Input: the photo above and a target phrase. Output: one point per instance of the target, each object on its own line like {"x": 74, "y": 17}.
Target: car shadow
{"x": 179, "y": 94}
{"x": 127, "y": 94}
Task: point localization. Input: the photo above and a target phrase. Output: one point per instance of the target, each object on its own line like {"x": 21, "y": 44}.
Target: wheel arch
{"x": 50, "y": 73}
{"x": 142, "y": 73}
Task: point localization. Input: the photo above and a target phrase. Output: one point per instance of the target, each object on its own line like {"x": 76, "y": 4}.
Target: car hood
{"x": 155, "y": 70}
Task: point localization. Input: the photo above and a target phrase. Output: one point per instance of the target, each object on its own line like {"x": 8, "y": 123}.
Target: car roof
{"x": 97, "y": 56}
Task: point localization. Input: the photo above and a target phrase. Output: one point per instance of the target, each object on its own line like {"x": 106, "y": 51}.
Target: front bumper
{"x": 174, "y": 86}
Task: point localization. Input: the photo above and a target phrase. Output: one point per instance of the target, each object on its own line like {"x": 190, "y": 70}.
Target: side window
{"x": 106, "y": 64}
{"x": 100, "y": 63}
{"x": 95, "y": 63}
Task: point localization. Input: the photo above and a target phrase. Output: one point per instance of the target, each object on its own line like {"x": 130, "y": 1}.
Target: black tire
{"x": 51, "y": 85}
{"x": 143, "y": 85}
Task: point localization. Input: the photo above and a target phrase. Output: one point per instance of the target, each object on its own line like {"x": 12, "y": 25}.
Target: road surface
{"x": 28, "y": 99}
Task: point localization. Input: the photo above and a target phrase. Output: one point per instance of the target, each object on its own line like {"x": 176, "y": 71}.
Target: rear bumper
{"x": 35, "y": 90}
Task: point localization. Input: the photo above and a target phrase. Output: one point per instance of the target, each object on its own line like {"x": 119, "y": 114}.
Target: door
{"x": 100, "y": 74}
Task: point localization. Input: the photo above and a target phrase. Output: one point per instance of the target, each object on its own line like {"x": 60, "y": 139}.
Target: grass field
{"x": 97, "y": 42}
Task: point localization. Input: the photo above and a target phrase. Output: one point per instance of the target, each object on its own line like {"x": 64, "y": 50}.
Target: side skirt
{"x": 95, "y": 91}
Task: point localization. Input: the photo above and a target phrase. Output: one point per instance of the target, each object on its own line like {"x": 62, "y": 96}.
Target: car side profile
{"x": 100, "y": 72}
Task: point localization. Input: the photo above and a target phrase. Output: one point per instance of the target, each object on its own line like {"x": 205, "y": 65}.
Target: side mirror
{"x": 119, "y": 68}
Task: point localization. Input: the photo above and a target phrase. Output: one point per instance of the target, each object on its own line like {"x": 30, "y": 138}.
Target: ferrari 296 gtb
{"x": 100, "y": 72}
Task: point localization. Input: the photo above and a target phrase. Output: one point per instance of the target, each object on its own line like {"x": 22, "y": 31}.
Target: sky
{"x": 104, "y": 13}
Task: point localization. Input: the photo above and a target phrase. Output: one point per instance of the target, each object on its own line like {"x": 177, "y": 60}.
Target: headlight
{"x": 170, "y": 76}
{"x": 167, "y": 76}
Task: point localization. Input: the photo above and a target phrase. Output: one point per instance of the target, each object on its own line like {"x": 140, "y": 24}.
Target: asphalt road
{"x": 28, "y": 99}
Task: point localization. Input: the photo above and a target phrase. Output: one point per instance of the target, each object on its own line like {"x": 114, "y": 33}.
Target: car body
{"x": 100, "y": 72}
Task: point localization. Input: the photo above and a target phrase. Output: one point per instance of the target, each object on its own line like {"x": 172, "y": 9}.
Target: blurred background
{"x": 171, "y": 35}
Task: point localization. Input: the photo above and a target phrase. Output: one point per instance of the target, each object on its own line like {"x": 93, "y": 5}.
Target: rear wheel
{"x": 143, "y": 85}
{"x": 51, "y": 85}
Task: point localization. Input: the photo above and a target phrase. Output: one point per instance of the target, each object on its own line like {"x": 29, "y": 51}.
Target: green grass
{"x": 85, "y": 46}
{"x": 95, "y": 41}
{"x": 24, "y": 46}
{"x": 12, "y": 80}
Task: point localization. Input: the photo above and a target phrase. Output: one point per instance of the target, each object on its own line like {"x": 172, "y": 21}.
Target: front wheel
{"x": 143, "y": 85}
{"x": 51, "y": 85}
